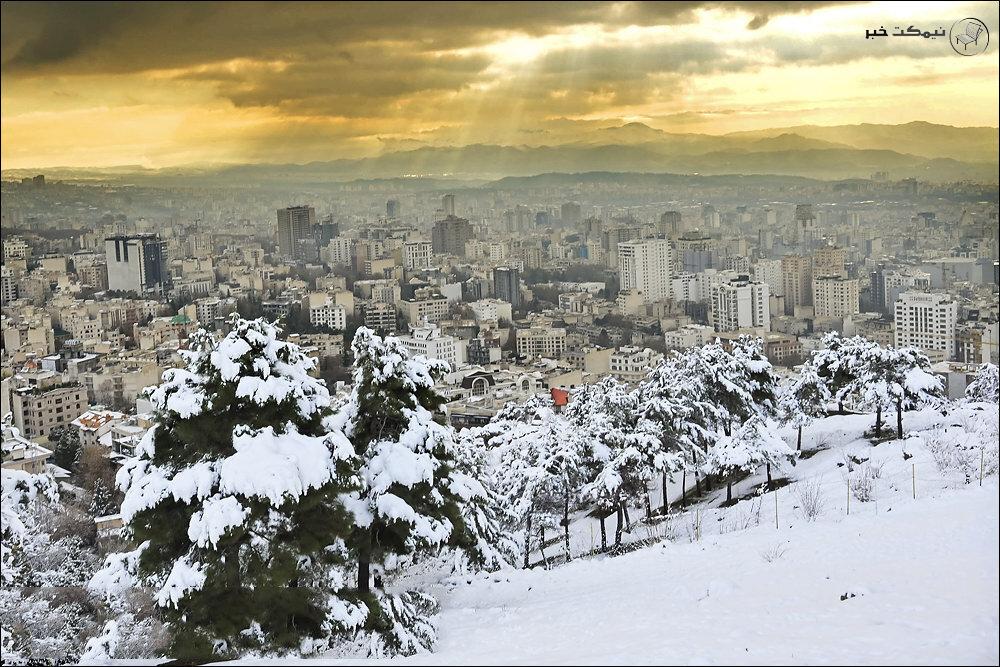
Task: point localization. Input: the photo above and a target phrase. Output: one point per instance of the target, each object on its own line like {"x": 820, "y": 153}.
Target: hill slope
{"x": 899, "y": 580}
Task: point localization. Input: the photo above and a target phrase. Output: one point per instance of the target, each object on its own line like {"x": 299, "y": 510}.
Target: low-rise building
{"x": 541, "y": 342}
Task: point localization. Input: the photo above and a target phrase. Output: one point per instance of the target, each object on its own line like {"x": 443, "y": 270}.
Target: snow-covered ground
{"x": 919, "y": 574}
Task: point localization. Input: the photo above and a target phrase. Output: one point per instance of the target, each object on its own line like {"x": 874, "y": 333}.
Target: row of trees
{"x": 709, "y": 412}
{"x": 705, "y": 412}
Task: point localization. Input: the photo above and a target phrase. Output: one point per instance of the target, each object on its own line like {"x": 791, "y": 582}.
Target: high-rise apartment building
{"x": 450, "y": 235}
{"x": 295, "y": 229}
{"x": 834, "y": 296}
{"x": 570, "y": 214}
{"x": 740, "y": 304}
{"x": 805, "y": 224}
{"x": 887, "y": 285}
{"x": 796, "y": 272}
{"x": 830, "y": 262}
{"x": 928, "y": 322}
{"x": 137, "y": 263}
{"x": 670, "y": 223}
{"x": 646, "y": 266}
{"x": 448, "y": 205}
{"x": 507, "y": 285}
{"x": 417, "y": 255}
{"x": 393, "y": 210}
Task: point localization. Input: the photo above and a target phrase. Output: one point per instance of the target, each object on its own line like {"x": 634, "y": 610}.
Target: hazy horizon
{"x": 159, "y": 86}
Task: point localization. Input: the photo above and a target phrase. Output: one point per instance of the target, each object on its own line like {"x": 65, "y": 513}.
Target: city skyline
{"x": 164, "y": 85}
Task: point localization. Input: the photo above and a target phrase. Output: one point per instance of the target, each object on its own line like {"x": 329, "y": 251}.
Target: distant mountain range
{"x": 922, "y": 150}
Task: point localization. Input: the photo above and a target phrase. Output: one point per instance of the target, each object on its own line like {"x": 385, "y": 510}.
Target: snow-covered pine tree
{"x": 672, "y": 403}
{"x": 102, "y": 499}
{"x": 484, "y": 512}
{"x": 740, "y": 384}
{"x": 912, "y": 383}
{"x": 606, "y": 416}
{"x": 985, "y": 388}
{"x": 872, "y": 386}
{"x": 66, "y": 453}
{"x": 803, "y": 400}
{"x": 564, "y": 460}
{"x": 235, "y": 500}
{"x": 519, "y": 479}
{"x": 753, "y": 445}
{"x": 540, "y": 469}
{"x": 411, "y": 497}
{"x": 838, "y": 363}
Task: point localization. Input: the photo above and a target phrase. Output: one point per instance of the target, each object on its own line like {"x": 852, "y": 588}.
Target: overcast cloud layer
{"x": 96, "y": 84}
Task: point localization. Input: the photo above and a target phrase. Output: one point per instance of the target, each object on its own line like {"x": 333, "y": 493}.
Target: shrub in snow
{"x": 411, "y": 497}
{"x": 21, "y": 493}
{"x": 103, "y": 647}
{"x": 235, "y": 499}
{"x": 810, "y": 498}
{"x": 970, "y": 450}
{"x": 863, "y": 483}
{"x": 986, "y": 387}
{"x": 45, "y": 626}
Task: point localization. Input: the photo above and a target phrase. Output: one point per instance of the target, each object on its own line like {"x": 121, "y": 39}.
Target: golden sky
{"x": 163, "y": 84}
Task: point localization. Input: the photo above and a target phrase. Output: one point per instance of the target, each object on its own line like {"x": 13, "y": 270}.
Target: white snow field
{"x": 920, "y": 575}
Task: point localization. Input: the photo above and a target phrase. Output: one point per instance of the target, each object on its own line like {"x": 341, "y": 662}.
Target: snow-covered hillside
{"x": 899, "y": 580}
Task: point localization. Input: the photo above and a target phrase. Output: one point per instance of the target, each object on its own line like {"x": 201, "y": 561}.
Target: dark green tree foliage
{"x": 102, "y": 503}
{"x": 66, "y": 449}
{"x": 235, "y": 499}
{"x": 411, "y": 500}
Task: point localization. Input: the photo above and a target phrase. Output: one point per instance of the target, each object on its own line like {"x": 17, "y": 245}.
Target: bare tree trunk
{"x": 628, "y": 521}
{"x": 364, "y": 576}
{"x": 840, "y": 407}
{"x": 800, "y": 438}
{"x": 770, "y": 482}
{"x": 527, "y": 542}
{"x": 666, "y": 505}
{"x": 604, "y": 535}
{"x": 697, "y": 484}
{"x": 618, "y": 526}
{"x": 899, "y": 419}
{"x": 649, "y": 506}
{"x": 566, "y": 525}
{"x": 878, "y": 422}
{"x": 364, "y": 567}
{"x": 541, "y": 546}
{"x": 729, "y": 490}
{"x": 684, "y": 481}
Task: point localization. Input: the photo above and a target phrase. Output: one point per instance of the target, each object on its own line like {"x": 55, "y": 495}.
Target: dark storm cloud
{"x": 122, "y": 37}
